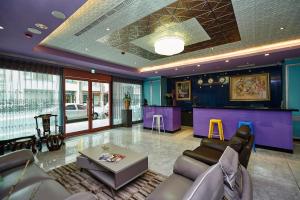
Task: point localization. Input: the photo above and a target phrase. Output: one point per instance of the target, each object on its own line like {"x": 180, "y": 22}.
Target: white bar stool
{"x": 156, "y": 119}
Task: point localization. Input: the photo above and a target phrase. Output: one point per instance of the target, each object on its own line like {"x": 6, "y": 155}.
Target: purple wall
{"x": 271, "y": 128}
{"x": 171, "y": 115}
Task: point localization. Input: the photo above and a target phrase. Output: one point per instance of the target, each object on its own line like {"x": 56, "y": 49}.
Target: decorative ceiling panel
{"x": 216, "y": 17}
{"x": 258, "y": 22}
{"x": 190, "y": 30}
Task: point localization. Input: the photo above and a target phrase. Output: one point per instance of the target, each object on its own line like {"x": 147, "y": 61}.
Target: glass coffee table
{"x": 113, "y": 174}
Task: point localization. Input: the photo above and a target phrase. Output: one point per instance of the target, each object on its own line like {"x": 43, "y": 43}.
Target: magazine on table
{"x": 111, "y": 157}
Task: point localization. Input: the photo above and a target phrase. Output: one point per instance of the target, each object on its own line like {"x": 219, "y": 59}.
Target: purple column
{"x": 271, "y": 128}
{"x": 171, "y": 115}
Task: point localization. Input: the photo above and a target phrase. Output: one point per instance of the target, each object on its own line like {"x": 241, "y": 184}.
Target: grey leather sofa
{"x": 35, "y": 184}
{"x": 192, "y": 179}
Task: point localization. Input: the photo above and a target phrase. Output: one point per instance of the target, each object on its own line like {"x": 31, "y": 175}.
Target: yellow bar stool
{"x": 212, "y": 123}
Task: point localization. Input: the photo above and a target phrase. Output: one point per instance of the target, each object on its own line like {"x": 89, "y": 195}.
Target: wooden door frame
{"x": 86, "y": 76}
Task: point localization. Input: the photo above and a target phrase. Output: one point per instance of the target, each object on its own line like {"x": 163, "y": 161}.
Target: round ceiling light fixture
{"x": 1, "y": 27}
{"x": 169, "y": 45}
{"x": 34, "y": 31}
{"x": 41, "y": 26}
{"x": 57, "y": 14}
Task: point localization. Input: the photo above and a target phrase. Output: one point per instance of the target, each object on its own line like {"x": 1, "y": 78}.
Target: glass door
{"x": 100, "y": 105}
{"x": 76, "y": 105}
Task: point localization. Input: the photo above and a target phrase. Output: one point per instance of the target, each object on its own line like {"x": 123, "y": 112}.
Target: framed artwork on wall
{"x": 254, "y": 87}
{"x": 183, "y": 90}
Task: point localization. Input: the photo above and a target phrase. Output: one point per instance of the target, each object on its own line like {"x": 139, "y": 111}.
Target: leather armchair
{"x": 35, "y": 183}
{"x": 210, "y": 150}
{"x": 192, "y": 180}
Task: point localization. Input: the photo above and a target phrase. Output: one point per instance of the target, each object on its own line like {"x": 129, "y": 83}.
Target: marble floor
{"x": 275, "y": 175}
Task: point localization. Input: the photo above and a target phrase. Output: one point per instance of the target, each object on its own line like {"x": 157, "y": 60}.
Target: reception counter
{"x": 171, "y": 115}
{"x": 272, "y": 126}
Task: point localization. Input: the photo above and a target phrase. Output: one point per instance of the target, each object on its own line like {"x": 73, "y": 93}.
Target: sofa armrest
{"x": 215, "y": 144}
{"x": 15, "y": 159}
{"x": 189, "y": 167}
{"x": 209, "y": 160}
{"x": 82, "y": 196}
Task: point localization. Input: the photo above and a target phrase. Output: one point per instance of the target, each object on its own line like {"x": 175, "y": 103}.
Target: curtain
{"x": 25, "y": 94}
{"x": 119, "y": 91}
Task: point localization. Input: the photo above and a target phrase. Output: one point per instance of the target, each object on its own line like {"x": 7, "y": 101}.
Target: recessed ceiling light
{"x": 156, "y": 72}
{"x": 176, "y": 69}
{"x": 93, "y": 71}
{"x": 1, "y": 27}
{"x": 108, "y": 29}
{"x": 226, "y": 60}
{"x": 41, "y": 26}
{"x": 267, "y": 54}
{"x": 28, "y": 35}
{"x": 198, "y": 65}
{"x": 57, "y": 14}
{"x": 281, "y": 28}
{"x": 33, "y": 30}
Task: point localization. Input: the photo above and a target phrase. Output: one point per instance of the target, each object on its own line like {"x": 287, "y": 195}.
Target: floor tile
{"x": 275, "y": 175}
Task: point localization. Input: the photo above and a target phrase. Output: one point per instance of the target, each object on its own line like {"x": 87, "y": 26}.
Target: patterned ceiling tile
{"x": 190, "y": 30}
{"x": 216, "y": 17}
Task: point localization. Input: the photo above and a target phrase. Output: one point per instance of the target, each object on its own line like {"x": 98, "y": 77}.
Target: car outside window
{"x": 81, "y": 107}
{"x": 70, "y": 107}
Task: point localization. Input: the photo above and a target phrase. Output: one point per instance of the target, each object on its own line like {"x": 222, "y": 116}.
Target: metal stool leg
{"x": 153, "y": 118}
{"x": 221, "y": 132}
{"x": 163, "y": 124}
{"x": 158, "y": 124}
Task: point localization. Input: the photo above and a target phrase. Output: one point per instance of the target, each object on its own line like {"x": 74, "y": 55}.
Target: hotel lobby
{"x": 144, "y": 99}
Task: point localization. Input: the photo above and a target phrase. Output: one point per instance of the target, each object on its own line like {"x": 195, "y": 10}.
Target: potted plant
{"x": 127, "y": 101}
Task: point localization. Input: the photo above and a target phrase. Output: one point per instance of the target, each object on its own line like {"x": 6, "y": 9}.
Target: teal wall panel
{"x": 292, "y": 82}
{"x": 146, "y": 91}
{"x": 152, "y": 91}
{"x": 156, "y": 92}
{"x": 163, "y": 91}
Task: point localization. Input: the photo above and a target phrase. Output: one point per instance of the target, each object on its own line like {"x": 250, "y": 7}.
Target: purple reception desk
{"x": 171, "y": 115}
{"x": 272, "y": 127}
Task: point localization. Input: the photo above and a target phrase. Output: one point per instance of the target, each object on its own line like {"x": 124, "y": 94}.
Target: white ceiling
{"x": 259, "y": 23}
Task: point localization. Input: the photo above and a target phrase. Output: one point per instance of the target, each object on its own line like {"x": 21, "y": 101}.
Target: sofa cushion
{"x": 243, "y": 132}
{"x": 229, "y": 163}
{"x": 209, "y": 185}
{"x": 10, "y": 177}
{"x": 236, "y": 143}
{"x": 15, "y": 159}
{"x": 233, "y": 178}
{"x": 45, "y": 190}
{"x": 204, "y": 154}
{"x": 189, "y": 167}
{"x": 215, "y": 144}
{"x": 82, "y": 196}
{"x": 173, "y": 188}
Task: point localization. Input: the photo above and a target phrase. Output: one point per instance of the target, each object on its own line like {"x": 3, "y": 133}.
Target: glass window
{"x": 119, "y": 91}
{"x": 70, "y": 107}
{"x": 24, "y": 95}
{"x": 81, "y": 107}
{"x": 76, "y": 119}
